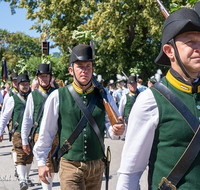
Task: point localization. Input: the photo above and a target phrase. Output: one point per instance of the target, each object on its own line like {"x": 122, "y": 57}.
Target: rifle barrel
{"x": 163, "y": 9}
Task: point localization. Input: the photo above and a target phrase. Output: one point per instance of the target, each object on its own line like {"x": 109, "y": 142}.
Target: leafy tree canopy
{"x": 15, "y": 46}
{"x": 127, "y": 33}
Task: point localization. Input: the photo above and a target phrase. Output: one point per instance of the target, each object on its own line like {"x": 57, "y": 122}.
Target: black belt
{"x": 193, "y": 148}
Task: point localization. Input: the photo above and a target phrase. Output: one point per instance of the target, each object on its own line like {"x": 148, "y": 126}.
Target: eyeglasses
{"x": 24, "y": 85}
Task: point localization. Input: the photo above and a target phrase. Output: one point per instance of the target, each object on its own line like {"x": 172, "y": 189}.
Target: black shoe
{"x": 16, "y": 174}
{"x": 23, "y": 186}
{"x": 29, "y": 183}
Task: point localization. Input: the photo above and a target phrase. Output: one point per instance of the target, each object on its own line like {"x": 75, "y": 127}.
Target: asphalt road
{"x": 9, "y": 182}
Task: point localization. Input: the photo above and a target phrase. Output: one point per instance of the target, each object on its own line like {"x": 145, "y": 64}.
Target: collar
{"x": 181, "y": 84}
{"x": 15, "y": 90}
{"x": 131, "y": 93}
{"x": 43, "y": 90}
{"x": 79, "y": 90}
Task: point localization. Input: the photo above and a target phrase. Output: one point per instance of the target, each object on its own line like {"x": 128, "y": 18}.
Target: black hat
{"x": 81, "y": 52}
{"x": 197, "y": 7}
{"x": 22, "y": 78}
{"x": 179, "y": 22}
{"x": 131, "y": 79}
{"x": 153, "y": 80}
{"x": 13, "y": 76}
{"x": 43, "y": 68}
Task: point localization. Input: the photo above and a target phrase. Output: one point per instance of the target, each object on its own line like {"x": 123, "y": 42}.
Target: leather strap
{"x": 35, "y": 126}
{"x": 193, "y": 148}
{"x": 22, "y": 99}
{"x": 42, "y": 93}
{"x": 67, "y": 145}
{"x": 18, "y": 118}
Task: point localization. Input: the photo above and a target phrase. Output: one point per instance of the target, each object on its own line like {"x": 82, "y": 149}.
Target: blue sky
{"x": 18, "y": 22}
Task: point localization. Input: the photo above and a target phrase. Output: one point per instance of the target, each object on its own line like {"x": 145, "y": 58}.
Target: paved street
{"x": 9, "y": 182}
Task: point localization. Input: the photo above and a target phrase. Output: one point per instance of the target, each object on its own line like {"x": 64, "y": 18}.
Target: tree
{"x": 17, "y": 46}
{"x": 127, "y": 32}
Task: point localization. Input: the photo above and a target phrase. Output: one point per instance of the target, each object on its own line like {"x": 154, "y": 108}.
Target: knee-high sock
{"x": 14, "y": 155}
{"x": 28, "y": 168}
{"x": 21, "y": 170}
{"x": 45, "y": 186}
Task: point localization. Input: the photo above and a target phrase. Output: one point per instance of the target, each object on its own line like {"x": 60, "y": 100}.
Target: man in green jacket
{"x": 82, "y": 166}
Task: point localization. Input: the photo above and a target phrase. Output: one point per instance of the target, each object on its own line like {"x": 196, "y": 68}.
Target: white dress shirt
{"x": 142, "y": 123}
{"x": 7, "y": 113}
{"x": 49, "y": 127}
{"x": 27, "y": 122}
{"x": 122, "y": 104}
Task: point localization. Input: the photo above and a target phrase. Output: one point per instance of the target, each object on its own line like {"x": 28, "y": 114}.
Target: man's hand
{"x": 118, "y": 129}
{"x": 1, "y": 138}
{"x": 43, "y": 172}
{"x": 26, "y": 149}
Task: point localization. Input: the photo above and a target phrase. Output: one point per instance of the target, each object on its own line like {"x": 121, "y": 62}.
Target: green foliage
{"x": 127, "y": 33}
{"x": 16, "y": 46}
{"x": 83, "y": 36}
{"x": 58, "y": 68}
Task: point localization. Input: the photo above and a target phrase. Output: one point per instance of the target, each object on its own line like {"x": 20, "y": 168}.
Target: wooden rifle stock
{"x": 113, "y": 117}
{"x": 163, "y": 9}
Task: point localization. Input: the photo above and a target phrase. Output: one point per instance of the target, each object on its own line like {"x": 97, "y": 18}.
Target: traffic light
{"x": 45, "y": 48}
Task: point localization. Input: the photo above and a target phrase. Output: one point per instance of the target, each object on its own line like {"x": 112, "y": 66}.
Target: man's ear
{"x": 169, "y": 51}
{"x": 71, "y": 71}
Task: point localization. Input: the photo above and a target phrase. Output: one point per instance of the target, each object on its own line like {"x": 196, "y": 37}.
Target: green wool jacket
{"x": 129, "y": 103}
{"x": 87, "y": 146}
{"x": 17, "y": 107}
{"x": 172, "y": 137}
{"x": 37, "y": 100}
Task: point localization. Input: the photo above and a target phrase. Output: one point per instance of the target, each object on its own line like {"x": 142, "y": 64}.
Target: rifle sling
{"x": 193, "y": 148}
{"x": 42, "y": 93}
{"x": 67, "y": 144}
{"x": 18, "y": 118}
{"x": 38, "y": 118}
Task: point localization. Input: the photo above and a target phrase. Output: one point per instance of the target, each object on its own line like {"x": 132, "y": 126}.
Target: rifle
{"x": 113, "y": 117}
{"x": 125, "y": 75}
{"x": 163, "y": 9}
{"x": 9, "y": 126}
{"x": 107, "y": 166}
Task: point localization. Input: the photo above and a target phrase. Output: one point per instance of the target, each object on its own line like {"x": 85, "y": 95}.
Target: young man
{"x": 151, "y": 82}
{"x": 82, "y": 166}
{"x": 156, "y": 129}
{"x": 117, "y": 94}
{"x": 16, "y": 108}
{"x": 13, "y": 91}
{"x": 128, "y": 99}
{"x": 34, "y": 102}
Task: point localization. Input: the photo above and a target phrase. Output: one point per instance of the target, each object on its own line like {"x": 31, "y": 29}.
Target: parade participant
{"x": 151, "y": 82}
{"x": 111, "y": 87}
{"x": 128, "y": 99}
{"x": 82, "y": 166}
{"x": 34, "y": 85}
{"x": 15, "y": 109}
{"x": 13, "y": 91}
{"x": 140, "y": 86}
{"x": 156, "y": 129}
{"x": 117, "y": 94}
{"x": 6, "y": 90}
{"x": 34, "y": 102}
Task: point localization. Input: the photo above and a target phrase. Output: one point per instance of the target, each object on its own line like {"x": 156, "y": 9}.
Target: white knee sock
{"x": 45, "y": 186}
{"x": 28, "y": 168}
{"x": 21, "y": 170}
{"x": 14, "y": 155}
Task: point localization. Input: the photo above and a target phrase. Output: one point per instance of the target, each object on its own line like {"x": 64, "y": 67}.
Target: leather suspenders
{"x": 192, "y": 149}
